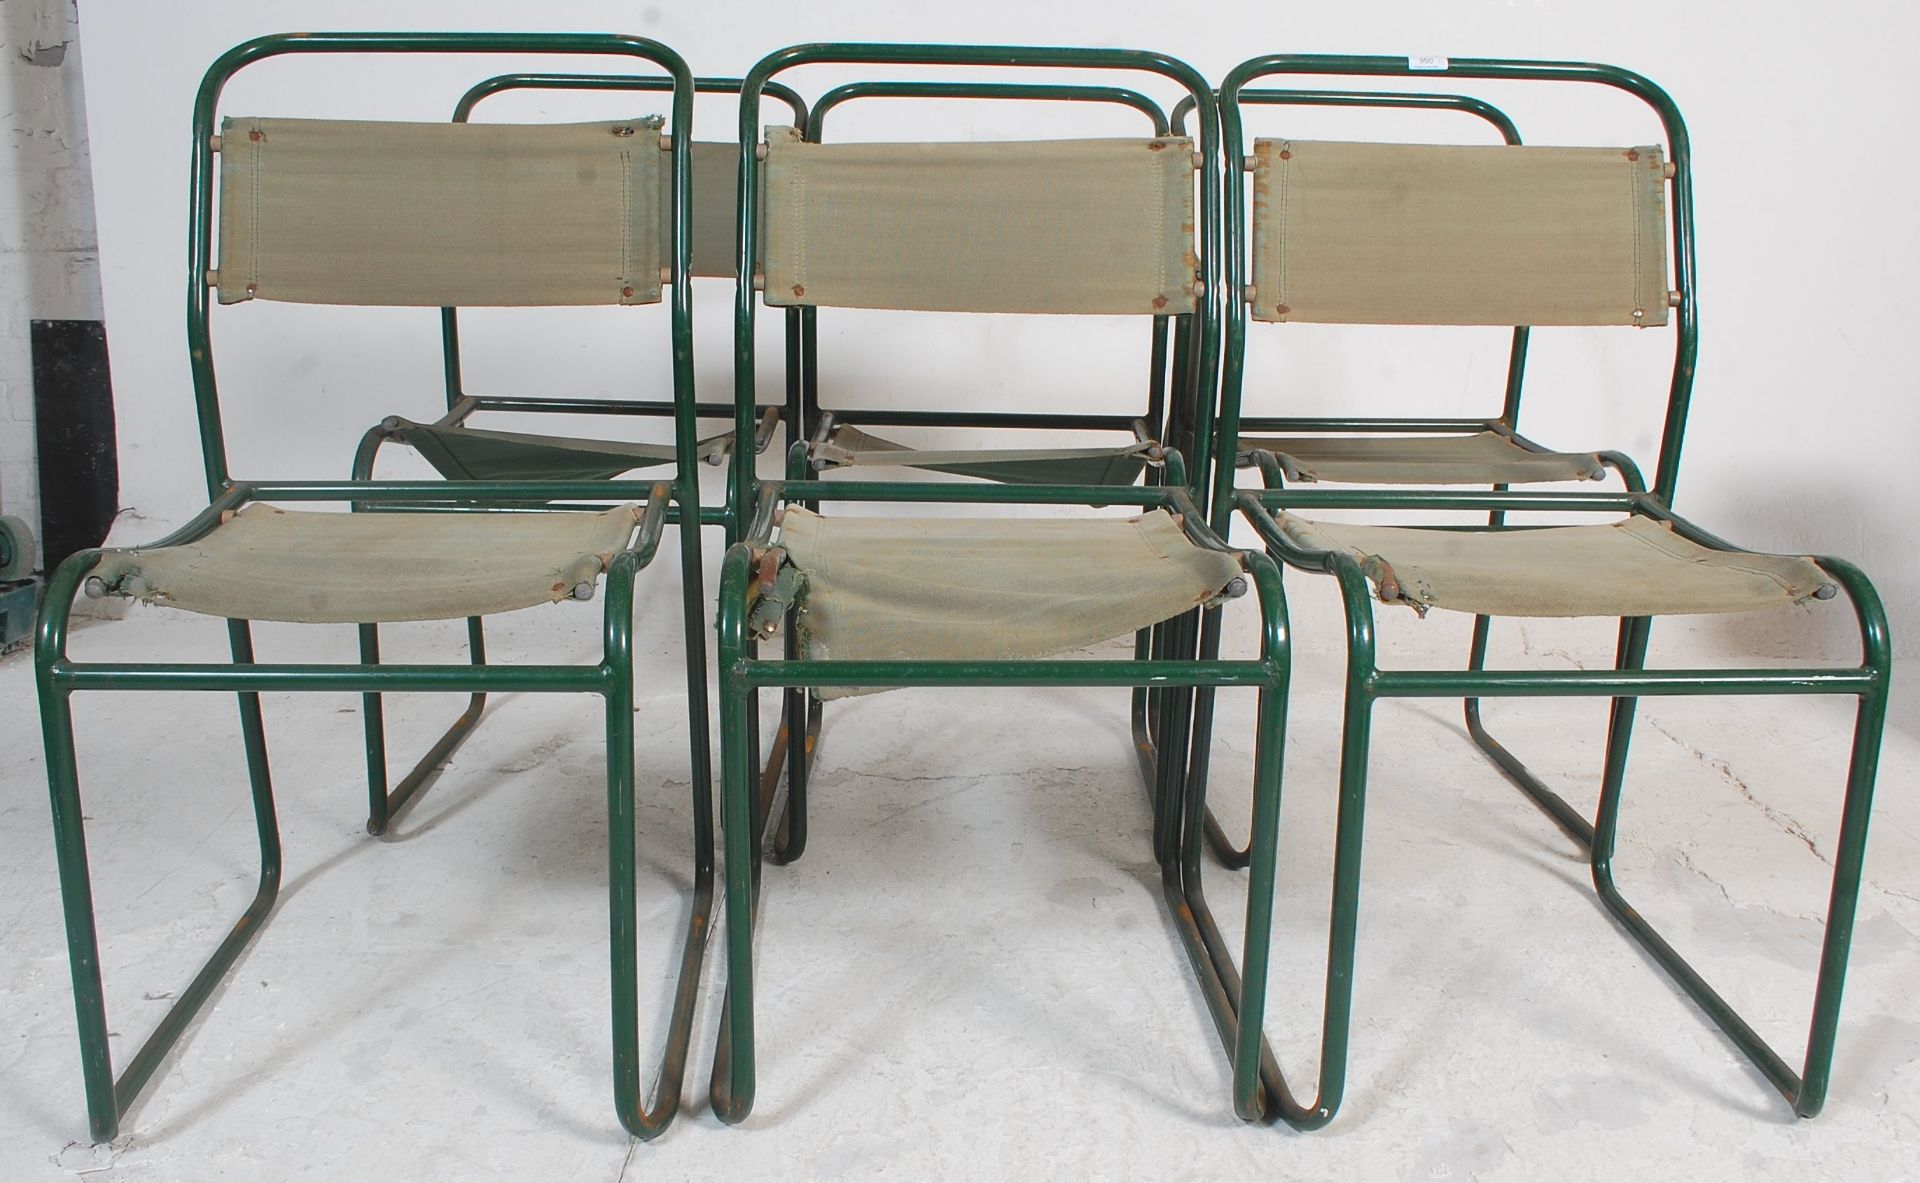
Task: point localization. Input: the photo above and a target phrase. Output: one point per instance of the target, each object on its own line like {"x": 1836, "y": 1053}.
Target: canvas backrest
{"x": 1063, "y": 226}
{"x": 1370, "y": 233}
{"x": 441, "y": 214}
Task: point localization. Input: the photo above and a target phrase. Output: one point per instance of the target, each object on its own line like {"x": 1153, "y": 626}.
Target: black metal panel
{"x": 73, "y": 415}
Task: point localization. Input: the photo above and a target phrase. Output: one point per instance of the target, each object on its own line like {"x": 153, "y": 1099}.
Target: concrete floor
{"x": 970, "y": 974}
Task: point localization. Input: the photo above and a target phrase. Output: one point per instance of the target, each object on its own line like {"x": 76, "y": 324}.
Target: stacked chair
{"x": 332, "y": 212}
{"x": 1508, "y": 235}
{"x": 1102, "y": 227}
{"x": 1156, "y": 227}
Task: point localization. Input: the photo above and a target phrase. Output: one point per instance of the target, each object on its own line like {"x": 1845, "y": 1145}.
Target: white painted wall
{"x": 49, "y": 263}
{"x": 1805, "y": 420}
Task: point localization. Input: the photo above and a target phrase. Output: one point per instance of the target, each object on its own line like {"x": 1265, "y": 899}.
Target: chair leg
{"x": 641, "y": 1120}
{"x": 1232, "y": 997}
{"x": 108, "y": 1100}
{"x": 1555, "y": 806}
{"x": 1806, "y": 1090}
{"x": 793, "y": 752}
{"x": 1230, "y": 856}
{"x": 384, "y": 805}
{"x": 732, "y": 1086}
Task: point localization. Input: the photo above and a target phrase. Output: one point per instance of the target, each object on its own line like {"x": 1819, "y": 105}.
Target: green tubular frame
{"x": 383, "y": 804}
{"x": 1686, "y": 336}
{"x": 58, "y": 677}
{"x": 792, "y": 749}
{"x": 1366, "y": 683}
{"x": 1165, "y": 660}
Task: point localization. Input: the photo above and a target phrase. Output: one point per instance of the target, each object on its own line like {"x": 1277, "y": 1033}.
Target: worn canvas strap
{"x": 1361, "y": 233}
{"x": 1633, "y": 567}
{"x": 1068, "y": 226}
{"x": 475, "y": 454}
{"x": 440, "y": 214}
{"x": 848, "y": 446}
{"x": 1483, "y": 458}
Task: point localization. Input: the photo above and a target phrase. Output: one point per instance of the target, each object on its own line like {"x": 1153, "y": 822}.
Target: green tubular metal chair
{"x": 841, "y": 582}
{"x": 465, "y": 453}
{"x": 1635, "y": 567}
{"x": 837, "y": 437}
{"x": 312, "y": 232}
{"x": 1386, "y": 451}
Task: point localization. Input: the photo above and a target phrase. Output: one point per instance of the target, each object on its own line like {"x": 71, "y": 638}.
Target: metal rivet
{"x": 1632, "y": 155}
{"x": 1281, "y": 309}
{"x": 626, "y": 293}
{"x": 1285, "y": 154}
{"x": 1825, "y": 591}
{"x": 1638, "y": 313}
{"x": 583, "y": 591}
{"x": 213, "y": 142}
{"x": 1673, "y": 299}
{"x": 1236, "y": 587}
{"x": 621, "y": 131}
{"x": 95, "y": 588}
{"x": 256, "y": 135}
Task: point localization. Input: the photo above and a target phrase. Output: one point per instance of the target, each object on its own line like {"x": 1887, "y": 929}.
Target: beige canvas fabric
{"x": 1633, "y": 567}
{"x": 955, "y": 588}
{"x": 321, "y": 211}
{"x": 1355, "y": 233}
{"x": 716, "y": 218}
{"x": 1483, "y": 458}
{"x": 1068, "y": 226}
{"x": 850, "y": 446}
{"x": 267, "y": 563}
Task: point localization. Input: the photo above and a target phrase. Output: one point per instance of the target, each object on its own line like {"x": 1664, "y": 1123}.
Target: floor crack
{"x": 1780, "y": 818}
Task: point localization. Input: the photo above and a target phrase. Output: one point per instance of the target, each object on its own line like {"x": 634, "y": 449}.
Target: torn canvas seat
{"x": 956, "y": 589}
{"x": 1637, "y": 566}
{"x": 263, "y": 562}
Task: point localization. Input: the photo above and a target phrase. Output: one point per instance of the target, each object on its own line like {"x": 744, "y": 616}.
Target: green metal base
{"x": 1623, "y": 684}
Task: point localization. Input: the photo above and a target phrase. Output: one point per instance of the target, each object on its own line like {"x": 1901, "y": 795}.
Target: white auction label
{"x": 1426, "y": 63}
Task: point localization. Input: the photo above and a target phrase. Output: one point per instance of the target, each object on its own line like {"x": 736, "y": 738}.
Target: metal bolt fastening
{"x": 583, "y": 590}
{"x": 1236, "y": 587}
